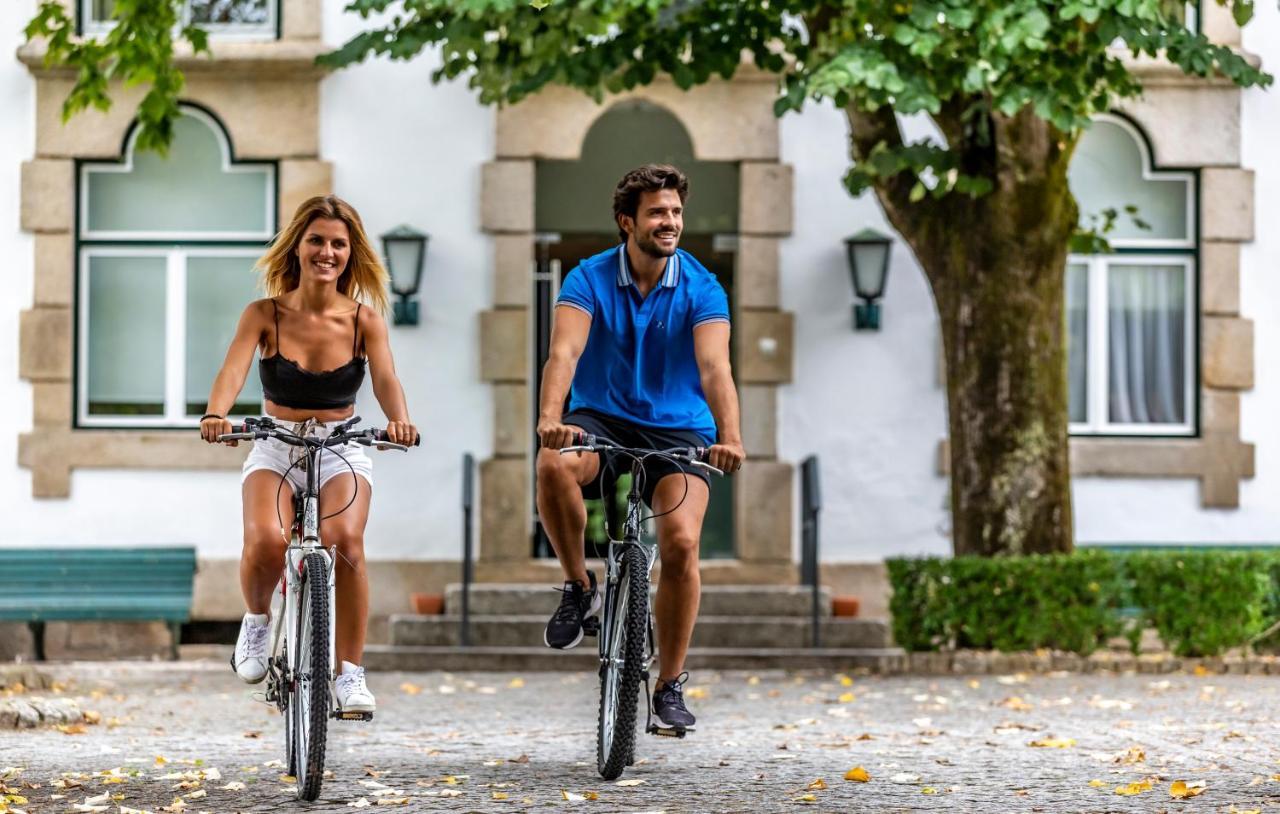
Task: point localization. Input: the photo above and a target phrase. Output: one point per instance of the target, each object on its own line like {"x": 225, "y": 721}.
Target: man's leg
{"x": 560, "y": 506}
{"x": 680, "y": 585}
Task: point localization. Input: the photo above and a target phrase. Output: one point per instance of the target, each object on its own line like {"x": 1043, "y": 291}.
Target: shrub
{"x": 1200, "y": 602}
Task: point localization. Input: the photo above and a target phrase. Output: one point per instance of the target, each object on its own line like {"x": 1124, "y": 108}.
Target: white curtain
{"x": 1147, "y": 344}
{"x": 1078, "y": 342}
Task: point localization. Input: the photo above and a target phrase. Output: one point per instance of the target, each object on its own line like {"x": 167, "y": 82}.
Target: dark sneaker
{"x": 564, "y": 630}
{"x": 668, "y": 704}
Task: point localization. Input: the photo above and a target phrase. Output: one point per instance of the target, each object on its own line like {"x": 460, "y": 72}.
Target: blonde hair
{"x": 364, "y": 278}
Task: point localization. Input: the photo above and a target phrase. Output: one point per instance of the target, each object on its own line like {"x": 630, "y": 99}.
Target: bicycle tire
{"x": 616, "y": 724}
{"x": 310, "y": 697}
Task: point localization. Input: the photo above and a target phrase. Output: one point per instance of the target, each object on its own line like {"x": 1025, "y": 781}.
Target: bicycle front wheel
{"x": 623, "y": 664}
{"x": 309, "y": 701}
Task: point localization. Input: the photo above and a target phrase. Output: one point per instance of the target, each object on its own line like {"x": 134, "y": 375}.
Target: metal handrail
{"x": 810, "y": 505}
{"x": 468, "y": 565}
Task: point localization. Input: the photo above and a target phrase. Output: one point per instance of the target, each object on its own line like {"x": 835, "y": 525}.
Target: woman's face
{"x": 324, "y": 250}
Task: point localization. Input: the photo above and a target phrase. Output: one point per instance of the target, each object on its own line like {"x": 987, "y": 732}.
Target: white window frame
{"x": 1098, "y": 358}
{"x": 175, "y": 331}
{"x": 221, "y": 31}
{"x": 89, "y": 169}
{"x": 176, "y": 248}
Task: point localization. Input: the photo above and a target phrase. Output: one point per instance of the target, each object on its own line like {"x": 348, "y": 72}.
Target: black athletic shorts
{"x": 625, "y": 434}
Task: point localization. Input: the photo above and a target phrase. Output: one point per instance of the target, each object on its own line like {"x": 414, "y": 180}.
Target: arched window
{"x": 1131, "y": 312}
{"x": 165, "y": 250}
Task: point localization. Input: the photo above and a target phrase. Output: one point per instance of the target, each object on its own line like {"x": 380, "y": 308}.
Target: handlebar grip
{"x": 580, "y": 439}
{"x": 381, "y": 435}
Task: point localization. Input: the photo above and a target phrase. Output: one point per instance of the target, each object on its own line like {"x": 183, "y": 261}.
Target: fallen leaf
{"x": 1053, "y": 743}
{"x": 91, "y": 717}
{"x": 846, "y": 698}
{"x": 817, "y": 785}
{"x": 857, "y": 774}
{"x": 1130, "y": 789}
{"x": 521, "y": 759}
{"x": 160, "y": 760}
{"x": 697, "y": 693}
{"x": 928, "y": 790}
{"x": 253, "y": 733}
{"x": 288, "y": 778}
{"x": 1181, "y": 790}
{"x": 196, "y": 795}
{"x": 500, "y": 795}
{"x": 1097, "y": 784}
{"x": 515, "y": 683}
{"x": 629, "y": 783}
{"x": 571, "y": 797}
{"x": 71, "y": 729}
{"x": 1200, "y": 671}
{"x": 393, "y": 801}
{"x": 235, "y": 785}
{"x": 845, "y": 681}
{"x": 1015, "y": 703}
{"x": 361, "y": 803}
{"x": 410, "y": 689}
{"x": 865, "y": 736}
{"x": 807, "y": 798}
{"x": 99, "y": 800}
{"x": 905, "y": 777}
{"x": 450, "y": 793}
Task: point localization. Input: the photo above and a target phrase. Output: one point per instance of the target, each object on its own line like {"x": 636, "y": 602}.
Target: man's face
{"x": 658, "y": 223}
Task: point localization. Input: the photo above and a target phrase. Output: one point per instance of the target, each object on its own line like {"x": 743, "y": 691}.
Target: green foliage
{"x": 1203, "y": 602}
{"x": 137, "y": 50}
{"x": 1064, "y": 602}
{"x": 1200, "y": 602}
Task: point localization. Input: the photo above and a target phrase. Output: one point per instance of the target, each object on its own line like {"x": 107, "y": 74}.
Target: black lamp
{"x": 868, "y": 252}
{"x": 405, "y": 250}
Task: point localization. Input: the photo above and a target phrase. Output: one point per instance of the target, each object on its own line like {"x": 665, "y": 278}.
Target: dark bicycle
{"x": 300, "y": 670}
{"x": 625, "y": 633}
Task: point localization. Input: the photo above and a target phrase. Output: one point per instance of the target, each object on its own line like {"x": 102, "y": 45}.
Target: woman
{"x": 315, "y": 334}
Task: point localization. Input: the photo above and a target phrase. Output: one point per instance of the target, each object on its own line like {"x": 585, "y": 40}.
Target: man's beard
{"x": 650, "y": 246}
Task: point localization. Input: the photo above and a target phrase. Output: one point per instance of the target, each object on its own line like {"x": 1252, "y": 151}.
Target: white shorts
{"x": 279, "y": 457}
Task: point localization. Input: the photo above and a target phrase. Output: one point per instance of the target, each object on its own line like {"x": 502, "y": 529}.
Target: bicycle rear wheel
{"x": 624, "y": 662}
{"x": 309, "y": 701}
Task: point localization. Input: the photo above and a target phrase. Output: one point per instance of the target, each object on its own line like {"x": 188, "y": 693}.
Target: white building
{"x": 125, "y": 275}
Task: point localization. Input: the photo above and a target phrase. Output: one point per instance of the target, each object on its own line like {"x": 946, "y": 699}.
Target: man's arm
{"x": 569, "y": 334}
{"x": 711, "y": 348}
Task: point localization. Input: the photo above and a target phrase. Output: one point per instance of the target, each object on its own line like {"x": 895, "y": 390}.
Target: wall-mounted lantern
{"x": 868, "y": 252}
{"x": 405, "y": 250}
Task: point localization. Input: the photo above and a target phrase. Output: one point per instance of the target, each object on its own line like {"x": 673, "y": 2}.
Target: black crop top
{"x": 288, "y": 384}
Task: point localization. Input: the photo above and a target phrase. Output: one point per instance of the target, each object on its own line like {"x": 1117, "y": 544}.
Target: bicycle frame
{"x": 304, "y": 540}
{"x": 613, "y": 570}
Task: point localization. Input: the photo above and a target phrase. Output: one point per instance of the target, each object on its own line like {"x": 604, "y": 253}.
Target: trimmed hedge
{"x": 1200, "y": 602}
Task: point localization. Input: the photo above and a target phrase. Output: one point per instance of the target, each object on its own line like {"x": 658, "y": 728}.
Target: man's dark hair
{"x": 649, "y": 178}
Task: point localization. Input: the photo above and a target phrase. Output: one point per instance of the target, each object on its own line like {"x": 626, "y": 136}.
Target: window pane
{"x": 218, "y": 289}
{"x": 1107, "y": 173}
{"x": 224, "y": 12}
{"x": 100, "y": 10}
{"x": 1078, "y": 342}
{"x": 187, "y": 192}
{"x": 1147, "y": 337}
{"x": 126, "y": 335}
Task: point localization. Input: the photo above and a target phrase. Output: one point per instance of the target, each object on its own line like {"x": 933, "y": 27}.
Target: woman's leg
{"x": 346, "y": 532}
{"x": 262, "y": 560}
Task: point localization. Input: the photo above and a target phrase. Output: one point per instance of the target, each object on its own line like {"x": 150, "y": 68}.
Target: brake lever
{"x": 707, "y": 467}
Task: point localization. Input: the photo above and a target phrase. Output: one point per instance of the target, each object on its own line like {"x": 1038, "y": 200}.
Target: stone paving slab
{"x": 928, "y": 743}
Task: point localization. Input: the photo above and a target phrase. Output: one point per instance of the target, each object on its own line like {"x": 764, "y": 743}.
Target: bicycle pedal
{"x": 591, "y": 626}
{"x": 352, "y": 715}
{"x": 667, "y": 731}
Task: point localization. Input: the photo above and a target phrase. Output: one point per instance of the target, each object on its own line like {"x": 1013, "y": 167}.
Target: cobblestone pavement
{"x": 504, "y": 743}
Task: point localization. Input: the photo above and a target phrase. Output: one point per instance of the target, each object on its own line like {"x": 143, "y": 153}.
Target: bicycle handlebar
{"x": 255, "y": 429}
{"x": 586, "y": 442}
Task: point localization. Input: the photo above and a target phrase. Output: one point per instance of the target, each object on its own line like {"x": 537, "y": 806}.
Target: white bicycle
{"x": 300, "y": 670}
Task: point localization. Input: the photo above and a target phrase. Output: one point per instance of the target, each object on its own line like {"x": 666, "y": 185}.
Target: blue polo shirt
{"x": 639, "y": 363}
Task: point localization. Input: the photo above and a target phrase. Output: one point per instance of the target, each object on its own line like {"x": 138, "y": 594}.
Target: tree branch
{"x": 868, "y": 129}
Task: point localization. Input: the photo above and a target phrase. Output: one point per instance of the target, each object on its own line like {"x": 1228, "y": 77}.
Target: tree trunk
{"x": 997, "y": 267}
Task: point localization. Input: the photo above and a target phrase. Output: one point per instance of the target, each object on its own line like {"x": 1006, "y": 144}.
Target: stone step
{"x": 385, "y": 658}
{"x": 750, "y": 632}
{"x": 512, "y": 599}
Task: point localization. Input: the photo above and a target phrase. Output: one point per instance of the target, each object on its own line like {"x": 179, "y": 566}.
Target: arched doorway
{"x": 574, "y": 220}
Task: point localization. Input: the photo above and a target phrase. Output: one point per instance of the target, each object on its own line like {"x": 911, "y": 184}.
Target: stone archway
{"x": 726, "y": 121}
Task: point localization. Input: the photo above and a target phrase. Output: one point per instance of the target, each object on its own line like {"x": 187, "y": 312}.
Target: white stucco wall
{"x": 868, "y": 403}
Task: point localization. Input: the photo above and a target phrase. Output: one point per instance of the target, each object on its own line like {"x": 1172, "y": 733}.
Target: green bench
{"x": 39, "y": 585}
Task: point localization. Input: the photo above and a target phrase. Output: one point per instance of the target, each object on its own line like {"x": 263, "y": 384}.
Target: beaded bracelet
{"x": 211, "y": 415}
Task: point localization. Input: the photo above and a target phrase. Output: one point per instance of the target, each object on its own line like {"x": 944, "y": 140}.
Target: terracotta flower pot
{"x": 844, "y": 606}
{"x": 427, "y": 604}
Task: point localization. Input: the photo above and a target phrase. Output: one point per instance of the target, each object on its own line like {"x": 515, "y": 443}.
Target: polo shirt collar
{"x": 670, "y": 276}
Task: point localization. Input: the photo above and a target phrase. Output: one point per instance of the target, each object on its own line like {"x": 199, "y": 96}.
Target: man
{"x": 642, "y": 333}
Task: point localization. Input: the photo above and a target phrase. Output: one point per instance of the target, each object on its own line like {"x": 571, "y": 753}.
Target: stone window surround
{"x": 273, "y": 117}
{"x": 1171, "y": 114}
{"x": 727, "y": 121}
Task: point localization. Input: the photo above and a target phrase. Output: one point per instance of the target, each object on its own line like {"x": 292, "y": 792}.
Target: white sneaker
{"x": 250, "y": 659}
{"x": 353, "y": 694}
